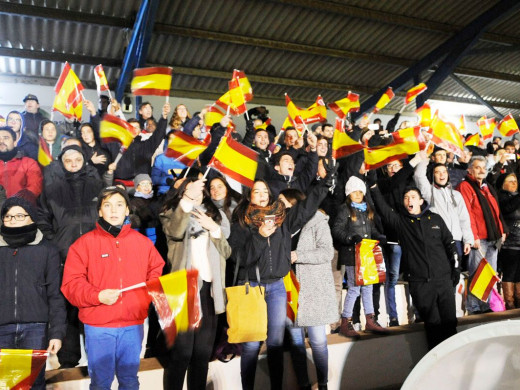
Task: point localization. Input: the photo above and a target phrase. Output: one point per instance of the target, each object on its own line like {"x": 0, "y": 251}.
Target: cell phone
{"x": 510, "y": 156}
{"x": 373, "y": 126}
{"x": 269, "y": 219}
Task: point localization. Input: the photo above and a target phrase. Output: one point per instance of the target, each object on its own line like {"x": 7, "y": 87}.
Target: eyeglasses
{"x": 17, "y": 217}
{"x": 14, "y": 120}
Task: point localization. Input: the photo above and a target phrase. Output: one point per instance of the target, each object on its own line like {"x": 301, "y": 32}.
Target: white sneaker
{"x": 357, "y": 326}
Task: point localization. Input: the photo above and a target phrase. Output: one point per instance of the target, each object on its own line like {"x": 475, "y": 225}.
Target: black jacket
{"x": 426, "y": 242}
{"x": 510, "y": 207}
{"x": 272, "y": 254}
{"x": 30, "y": 280}
{"x": 345, "y": 228}
{"x": 68, "y": 207}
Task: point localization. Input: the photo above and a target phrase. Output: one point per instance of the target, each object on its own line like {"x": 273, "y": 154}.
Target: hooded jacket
{"x": 20, "y": 173}
{"x": 427, "y": 244}
{"x": 99, "y": 261}
{"x": 30, "y": 279}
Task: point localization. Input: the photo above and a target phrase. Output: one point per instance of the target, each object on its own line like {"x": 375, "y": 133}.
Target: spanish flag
{"x": 101, "y": 79}
{"x": 239, "y": 92}
{"x": 413, "y": 92}
{"x": 184, "y": 148}
{"x": 370, "y": 267}
{"x": 235, "y": 160}
{"x": 486, "y": 126}
{"x": 114, "y": 129}
{"x": 462, "y": 125}
{"x": 384, "y": 100}
{"x": 445, "y": 135}
{"x": 317, "y": 112}
{"x": 264, "y": 125}
{"x": 292, "y": 288}
{"x": 348, "y": 104}
{"x": 19, "y": 368}
{"x": 483, "y": 280}
{"x": 474, "y": 140}
{"x": 212, "y": 116}
{"x": 425, "y": 115}
{"x": 405, "y": 142}
{"x": 508, "y": 126}
{"x": 155, "y": 81}
{"x": 177, "y": 302}
{"x": 342, "y": 144}
{"x": 68, "y": 98}
{"x": 44, "y": 154}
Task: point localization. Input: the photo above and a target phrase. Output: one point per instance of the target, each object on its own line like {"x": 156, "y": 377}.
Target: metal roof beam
{"x": 493, "y": 50}
{"x": 393, "y": 19}
{"x": 479, "y": 98}
{"x": 63, "y": 14}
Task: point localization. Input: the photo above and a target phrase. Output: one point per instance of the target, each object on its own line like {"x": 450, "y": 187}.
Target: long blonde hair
{"x": 176, "y": 121}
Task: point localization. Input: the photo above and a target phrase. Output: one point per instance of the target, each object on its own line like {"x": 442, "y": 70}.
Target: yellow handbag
{"x": 246, "y": 311}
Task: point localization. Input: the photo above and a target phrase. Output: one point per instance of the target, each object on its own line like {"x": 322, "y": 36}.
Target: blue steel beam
{"x": 476, "y": 95}
{"x": 472, "y": 30}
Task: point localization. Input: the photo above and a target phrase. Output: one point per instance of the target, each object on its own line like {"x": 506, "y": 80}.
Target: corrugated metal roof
{"x": 296, "y": 46}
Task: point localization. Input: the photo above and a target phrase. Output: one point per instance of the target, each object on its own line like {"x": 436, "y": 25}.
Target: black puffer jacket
{"x": 345, "y": 228}
{"x": 30, "y": 280}
{"x": 426, "y": 242}
{"x": 273, "y": 254}
{"x": 68, "y": 207}
{"x": 510, "y": 206}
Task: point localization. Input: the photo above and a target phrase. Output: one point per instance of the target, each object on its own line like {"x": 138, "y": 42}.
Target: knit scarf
{"x": 492, "y": 227}
{"x": 139, "y": 194}
{"x": 17, "y": 237}
{"x": 359, "y": 206}
{"x": 255, "y": 215}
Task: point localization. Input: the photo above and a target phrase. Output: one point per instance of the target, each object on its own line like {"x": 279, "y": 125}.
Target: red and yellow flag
{"x": 292, "y": 288}
{"x": 342, "y": 144}
{"x": 184, "y": 148}
{"x": 212, "y": 116}
{"x": 425, "y": 115}
{"x": 264, "y": 125}
{"x": 115, "y": 129}
{"x": 384, "y": 100}
{"x": 240, "y": 92}
{"x": 508, "y": 126}
{"x": 19, "y": 368}
{"x": 405, "y": 142}
{"x": 413, "y": 92}
{"x": 445, "y": 135}
{"x": 462, "y": 125}
{"x": 474, "y": 140}
{"x": 317, "y": 112}
{"x": 348, "y": 104}
{"x": 483, "y": 280}
{"x": 101, "y": 79}
{"x": 68, "y": 98}
{"x": 486, "y": 126}
{"x": 177, "y": 302}
{"x": 370, "y": 267}
{"x": 155, "y": 81}
{"x": 235, "y": 160}
{"x": 44, "y": 154}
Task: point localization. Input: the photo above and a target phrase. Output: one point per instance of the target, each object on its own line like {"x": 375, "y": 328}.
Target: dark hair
{"x": 231, "y": 195}
{"x": 293, "y": 195}
{"x": 145, "y": 104}
{"x": 239, "y": 214}
{"x": 174, "y": 196}
{"x": 133, "y": 120}
{"x": 10, "y": 130}
{"x": 412, "y": 188}
{"x": 282, "y": 153}
{"x": 46, "y": 122}
{"x": 326, "y": 125}
{"x": 509, "y": 143}
{"x": 352, "y": 210}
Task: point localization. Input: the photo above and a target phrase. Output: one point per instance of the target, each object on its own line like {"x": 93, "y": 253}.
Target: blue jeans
{"x": 26, "y": 336}
{"x": 320, "y": 353}
{"x": 353, "y": 292}
{"x": 276, "y": 298}
{"x": 113, "y": 351}
{"x": 393, "y": 263}
{"x": 474, "y": 304}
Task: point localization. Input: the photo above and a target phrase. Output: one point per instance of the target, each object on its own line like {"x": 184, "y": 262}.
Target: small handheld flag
{"x": 19, "y": 368}
{"x": 384, "y": 100}
{"x": 483, "y": 280}
{"x": 508, "y": 126}
{"x": 348, "y": 104}
{"x": 68, "y": 98}
{"x": 413, "y": 92}
{"x": 155, "y": 81}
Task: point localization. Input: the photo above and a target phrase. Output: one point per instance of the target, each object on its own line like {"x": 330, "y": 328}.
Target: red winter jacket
{"x": 20, "y": 173}
{"x": 99, "y": 261}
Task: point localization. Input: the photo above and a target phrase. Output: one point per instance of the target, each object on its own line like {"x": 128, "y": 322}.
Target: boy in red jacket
{"x": 99, "y": 264}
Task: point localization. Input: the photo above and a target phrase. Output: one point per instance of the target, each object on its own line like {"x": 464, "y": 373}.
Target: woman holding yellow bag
{"x": 261, "y": 242}
{"x": 196, "y": 233}
{"x": 355, "y": 222}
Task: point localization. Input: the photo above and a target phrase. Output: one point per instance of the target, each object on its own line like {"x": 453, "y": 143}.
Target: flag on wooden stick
{"x": 68, "y": 98}
{"x": 413, "y": 92}
{"x": 445, "y": 135}
{"x": 101, "y": 79}
{"x": 44, "y": 154}
{"x": 342, "y": 144}
{"x": 425, "y": 115}
{"x": 486, "y": 126}
{"x": 239, "y": 93}
{"x": 474, "y": 140}
{"x": 342, "y": 107}
{"x": 177, "y": 302}
{"x": 508, "y": 126}
{"x": 384, "y": 100}
{"x": 292, "y": 288}
{"x": 483, "y": 280}
{"x": 115, "y": 129}
{"x": 184, "y": 148}
{"x": 19, "y": 368}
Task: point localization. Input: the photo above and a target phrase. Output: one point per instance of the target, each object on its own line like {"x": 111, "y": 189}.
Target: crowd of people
{"x": 79, "y": 230}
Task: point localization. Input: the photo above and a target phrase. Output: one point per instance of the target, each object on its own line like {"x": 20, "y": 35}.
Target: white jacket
{"x": 446, "y": 202}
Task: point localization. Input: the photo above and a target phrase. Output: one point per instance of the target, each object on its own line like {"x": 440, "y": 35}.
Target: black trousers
{"x": 192, "y": 350}
{"x": 435, "y": 302}
{"x": 70, "y": 352}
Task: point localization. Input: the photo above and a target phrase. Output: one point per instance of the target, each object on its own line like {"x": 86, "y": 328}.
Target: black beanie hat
{"x": 21, "y": 202}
